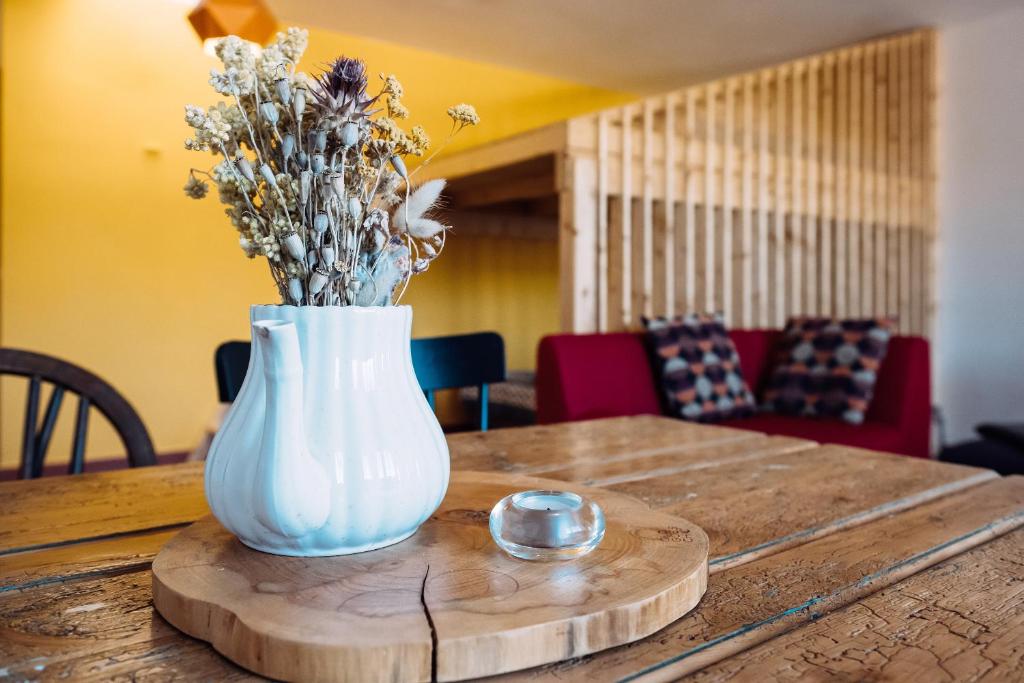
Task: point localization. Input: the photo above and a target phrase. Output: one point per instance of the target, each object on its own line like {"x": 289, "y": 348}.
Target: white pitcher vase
{"x": 330, "y": 447}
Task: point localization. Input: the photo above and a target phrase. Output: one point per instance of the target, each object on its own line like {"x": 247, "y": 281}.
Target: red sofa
{"x": 604, "y": 375}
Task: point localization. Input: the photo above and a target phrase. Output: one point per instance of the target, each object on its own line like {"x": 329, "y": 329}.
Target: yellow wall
{"x": 505, "y": 284}
{"x": 106, "y": 262}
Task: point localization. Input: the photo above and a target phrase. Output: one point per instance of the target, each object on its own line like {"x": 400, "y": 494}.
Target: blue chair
{"x": 462, "y": 360}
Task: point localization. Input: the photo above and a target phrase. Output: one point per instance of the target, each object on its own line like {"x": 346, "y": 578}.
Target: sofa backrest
{"x": 605, "y": 375}
{"x": 755, "y": 348}
{"x": 594, "y": 375}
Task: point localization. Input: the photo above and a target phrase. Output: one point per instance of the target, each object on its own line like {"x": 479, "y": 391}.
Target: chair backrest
{"x": 462, "y": 360}
{"x": 231, "y": 361}
{"x": 91, "y": 391}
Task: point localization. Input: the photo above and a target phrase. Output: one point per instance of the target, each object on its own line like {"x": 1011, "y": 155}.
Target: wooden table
{"x": 828, "y": 562}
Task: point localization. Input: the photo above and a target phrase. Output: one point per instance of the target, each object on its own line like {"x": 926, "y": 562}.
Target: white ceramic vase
{"x": 330, "y": 447}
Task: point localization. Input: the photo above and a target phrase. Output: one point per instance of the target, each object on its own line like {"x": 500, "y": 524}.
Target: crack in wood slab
{"x": 430, "y": 625}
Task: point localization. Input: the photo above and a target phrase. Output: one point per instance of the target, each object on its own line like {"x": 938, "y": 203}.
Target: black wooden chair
{"x": 91, "y": 391}
{"x": 462, "y": 360}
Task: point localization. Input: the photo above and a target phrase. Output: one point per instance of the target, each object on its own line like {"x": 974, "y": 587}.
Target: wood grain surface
{"x": 53, "y": 510}
{"x": 446, "y": 604}
{"x": 809, "y": 501}
{"x": 798, "y": 533}
{"x": 541, "y": 449}
{"x": 961, "y": 620}
{"x": 755, "y": 602}
{"x": 80, "y": 560}
{"x": 698, "y": 457}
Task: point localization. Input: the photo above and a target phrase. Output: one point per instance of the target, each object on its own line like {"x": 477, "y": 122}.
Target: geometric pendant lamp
{"x": 248, "y": 19}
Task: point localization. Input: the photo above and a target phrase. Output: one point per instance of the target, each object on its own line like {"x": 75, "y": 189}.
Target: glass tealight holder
{"x": 546, "y": 525}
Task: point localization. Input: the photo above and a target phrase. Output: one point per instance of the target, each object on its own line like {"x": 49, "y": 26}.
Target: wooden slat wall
{"x": 803, "y": 188}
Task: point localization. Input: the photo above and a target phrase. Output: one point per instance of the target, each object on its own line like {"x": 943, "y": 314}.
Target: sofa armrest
{"x": 550, "y": 395}
{"x": 903, "y": 395}
{"x": 1008, "y": 434}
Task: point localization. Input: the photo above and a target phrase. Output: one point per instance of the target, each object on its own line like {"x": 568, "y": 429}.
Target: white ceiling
{"x": 637, "y": 46}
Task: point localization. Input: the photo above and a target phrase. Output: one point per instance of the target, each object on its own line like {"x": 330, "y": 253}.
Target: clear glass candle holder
{"x": 546, "y": 525}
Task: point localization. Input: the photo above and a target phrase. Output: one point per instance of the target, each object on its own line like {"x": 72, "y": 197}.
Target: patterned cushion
{"x": 698, "y": 368}
{"x": 827, "y": 367}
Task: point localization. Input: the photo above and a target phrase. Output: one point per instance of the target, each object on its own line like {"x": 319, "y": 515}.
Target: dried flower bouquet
{"x": 313, "y": 173}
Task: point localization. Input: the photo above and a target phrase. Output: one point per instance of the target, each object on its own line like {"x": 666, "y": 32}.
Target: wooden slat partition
{"x": 760, "y": 301}
{"x": 668, "y": 206}
{"x": 626, "y": 175}
{"x": 804, "y": 188}
{"x": 778, "y": 269}
{"x": 746, "y": 274}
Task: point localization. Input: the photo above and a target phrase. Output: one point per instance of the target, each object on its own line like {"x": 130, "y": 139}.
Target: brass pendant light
{"x": 248, "y": 19}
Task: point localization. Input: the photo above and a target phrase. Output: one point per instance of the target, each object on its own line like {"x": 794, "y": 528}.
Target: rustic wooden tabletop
{"x": 828, "y": 562}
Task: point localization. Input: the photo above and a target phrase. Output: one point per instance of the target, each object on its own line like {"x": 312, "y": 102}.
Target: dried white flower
{"x": 270, "y": 248}
{"x": 212, "y": 129}
{"x": 271, "y": 64}
{"x": 396, "y": 108}
{"x": 294, "y": 269}
{"x": 392, "y": 86}
{"x": 292, "y": 43}
{"x": 463, "y": 115}
{"x": 419, "y": 139}
{"x": 248, "y": 247}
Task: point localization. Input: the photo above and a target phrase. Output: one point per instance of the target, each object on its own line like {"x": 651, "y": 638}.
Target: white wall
{"x": 979, "y": 342}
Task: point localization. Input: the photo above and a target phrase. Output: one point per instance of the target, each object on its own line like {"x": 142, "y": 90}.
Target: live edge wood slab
{"x": 827, "y": 562}
{"x": 445, "y": 605}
